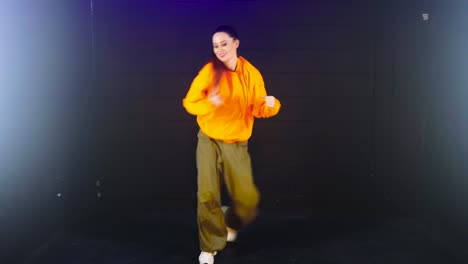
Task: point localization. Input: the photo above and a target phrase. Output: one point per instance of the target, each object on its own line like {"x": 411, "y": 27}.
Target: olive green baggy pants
{"x": 218, "y": 161}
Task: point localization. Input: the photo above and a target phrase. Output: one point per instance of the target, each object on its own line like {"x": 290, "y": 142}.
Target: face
{"x": 225, "y": 47}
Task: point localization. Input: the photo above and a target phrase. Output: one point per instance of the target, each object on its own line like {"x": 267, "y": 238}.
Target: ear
{"x": 237, "y": 43}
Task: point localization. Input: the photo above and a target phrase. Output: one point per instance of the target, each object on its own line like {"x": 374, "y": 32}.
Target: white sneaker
{"x": 206, "y": 257}
{"x": 231, "y": 235}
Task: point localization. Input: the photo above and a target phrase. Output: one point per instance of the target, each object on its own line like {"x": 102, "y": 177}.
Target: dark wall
{"x": 317, "y": 58}
{"x": 420, "y": 127}
{"x": 360, "y": 87}
{"x": 373, "y": 117}
{"x": 43, "y": 65}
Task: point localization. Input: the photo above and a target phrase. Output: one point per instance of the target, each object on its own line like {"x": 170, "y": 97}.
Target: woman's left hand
{"x": 270, "y": 101}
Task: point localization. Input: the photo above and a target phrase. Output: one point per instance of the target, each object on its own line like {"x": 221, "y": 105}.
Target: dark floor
{"x": 273, "y": 238}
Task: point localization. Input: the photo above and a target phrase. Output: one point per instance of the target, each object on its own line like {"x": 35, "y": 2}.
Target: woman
{"x": 226, "y": 96}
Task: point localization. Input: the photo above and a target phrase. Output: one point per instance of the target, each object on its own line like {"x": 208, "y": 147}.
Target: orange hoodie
{"x": 242, "y": 92}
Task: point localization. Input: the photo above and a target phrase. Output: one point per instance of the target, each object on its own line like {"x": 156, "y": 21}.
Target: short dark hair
{"x": 231, "y": 31}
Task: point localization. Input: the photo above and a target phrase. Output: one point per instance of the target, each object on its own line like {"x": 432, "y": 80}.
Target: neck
{"x": 231, "y": 65}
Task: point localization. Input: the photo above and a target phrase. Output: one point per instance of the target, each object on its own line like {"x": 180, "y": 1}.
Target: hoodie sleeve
{"x": 260, "y": 110}
{"x": 196, "y": 101}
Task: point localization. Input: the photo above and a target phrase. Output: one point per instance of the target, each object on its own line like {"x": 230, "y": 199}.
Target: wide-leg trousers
{"x": 219, "y": 162}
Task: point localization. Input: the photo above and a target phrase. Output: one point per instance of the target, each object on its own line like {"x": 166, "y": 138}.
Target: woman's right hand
{"x": 214, "y": 97}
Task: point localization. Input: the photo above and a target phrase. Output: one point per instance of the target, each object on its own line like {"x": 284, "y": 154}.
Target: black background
{"x": 373, "y": 119}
